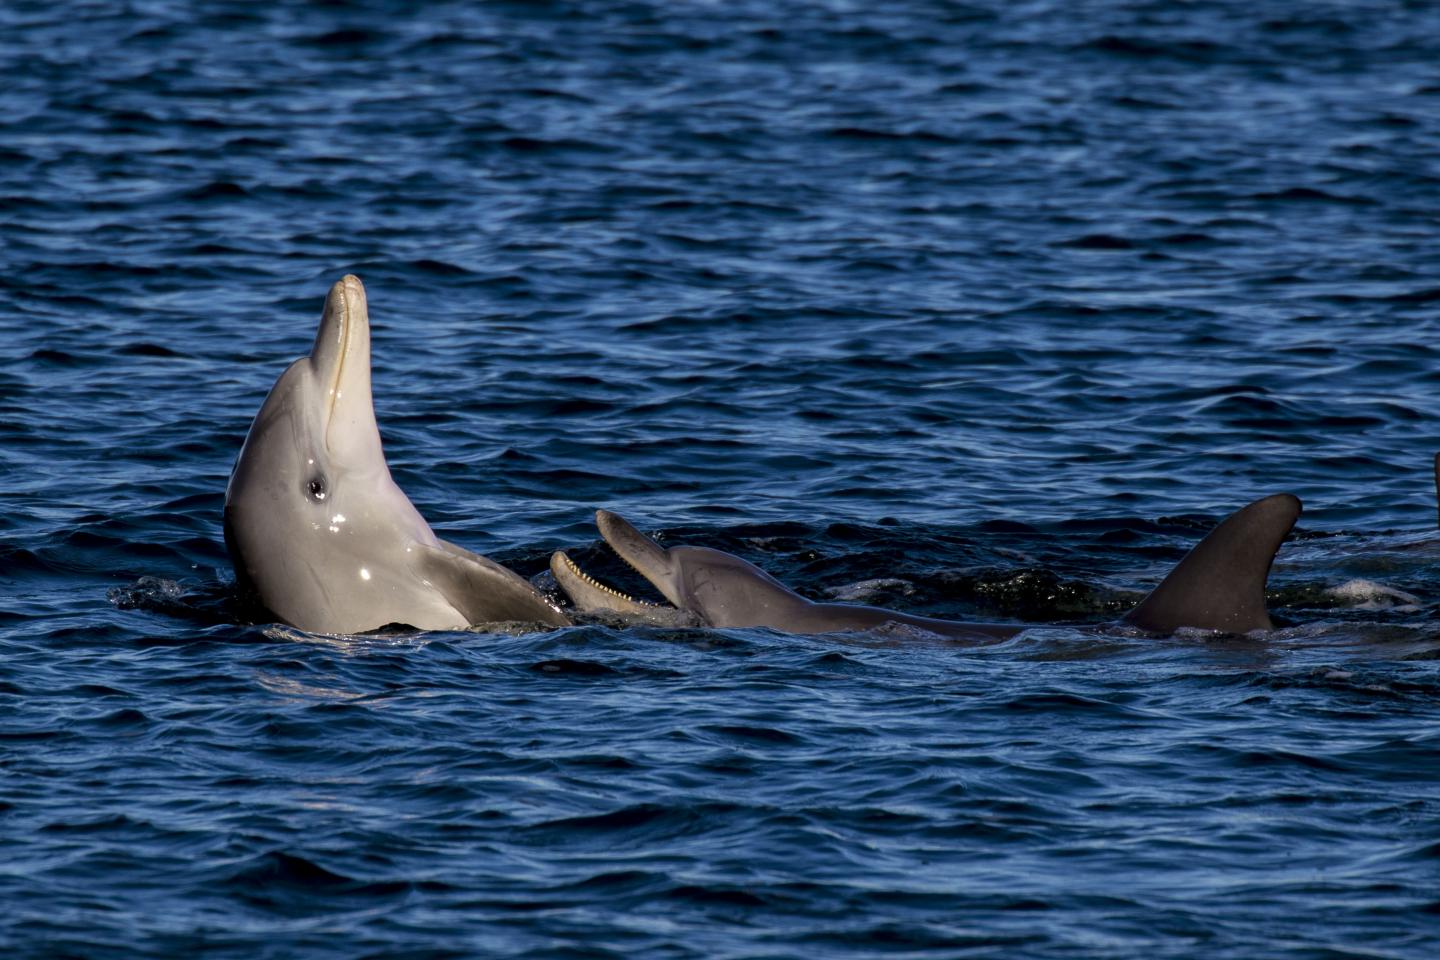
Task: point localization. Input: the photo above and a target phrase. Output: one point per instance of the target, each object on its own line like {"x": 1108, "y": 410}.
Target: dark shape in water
{"x": 1220, "y": 584}
{"x": 1437, "y": 489}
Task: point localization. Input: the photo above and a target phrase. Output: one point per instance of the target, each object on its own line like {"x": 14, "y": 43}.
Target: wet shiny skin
{"x": 972, "y": 310}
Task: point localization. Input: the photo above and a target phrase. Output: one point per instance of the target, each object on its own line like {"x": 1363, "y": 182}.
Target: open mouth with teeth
{"x": 590, "y": 596}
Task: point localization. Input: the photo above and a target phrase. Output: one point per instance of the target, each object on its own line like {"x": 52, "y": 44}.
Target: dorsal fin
{"x": 1220, "y": 584}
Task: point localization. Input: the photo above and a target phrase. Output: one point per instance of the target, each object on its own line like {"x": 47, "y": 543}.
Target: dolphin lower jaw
{"x": 333, "y": 392}
{"x": 590, "y": 594}
{"x": 575, "y": 569}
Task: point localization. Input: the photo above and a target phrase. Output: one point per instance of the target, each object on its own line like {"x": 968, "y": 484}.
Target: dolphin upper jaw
{"x": 641, "y": 554}
{"x": 344, "y": 325}
{"x": 340, "y": 362}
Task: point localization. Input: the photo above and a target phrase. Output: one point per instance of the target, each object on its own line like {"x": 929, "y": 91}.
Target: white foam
{"x": 1369, "y": 595}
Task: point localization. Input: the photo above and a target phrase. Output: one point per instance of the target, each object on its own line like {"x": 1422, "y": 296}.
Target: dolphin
{"x": 1219, "y": 585}
{"x": 316, "y": 528}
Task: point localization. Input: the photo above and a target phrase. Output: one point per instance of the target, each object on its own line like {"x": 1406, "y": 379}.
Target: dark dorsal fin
{"x": 1220, "y": 585}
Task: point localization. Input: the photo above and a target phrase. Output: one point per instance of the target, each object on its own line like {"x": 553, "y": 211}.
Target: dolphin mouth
{"x": 640, "y": 553}
{"x": 340, "y": 361}
{"x": 590, "y": 594}
{"x": 347, "y": 326}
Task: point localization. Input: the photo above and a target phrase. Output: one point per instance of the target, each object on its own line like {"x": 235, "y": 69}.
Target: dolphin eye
{"x": 316, "y": 487}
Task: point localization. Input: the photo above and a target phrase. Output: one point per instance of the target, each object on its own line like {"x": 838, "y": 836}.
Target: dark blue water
{"x": 971, "y": 309}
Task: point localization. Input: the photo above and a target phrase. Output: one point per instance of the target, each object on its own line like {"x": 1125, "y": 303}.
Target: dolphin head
{"x": 315, "y": 525}
{"x": 715, "y": 588}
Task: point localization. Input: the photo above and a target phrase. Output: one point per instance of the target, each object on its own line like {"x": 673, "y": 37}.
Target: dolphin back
{"x": 1220, "y": 584}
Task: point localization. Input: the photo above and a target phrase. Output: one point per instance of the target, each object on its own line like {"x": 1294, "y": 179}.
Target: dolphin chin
{"x": 1219, "y": 585}
{"x": 317, "y": 529}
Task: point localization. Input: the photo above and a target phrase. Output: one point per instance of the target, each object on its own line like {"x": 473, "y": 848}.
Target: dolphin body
{"x": 316, "y": 528}
{"x": 1219, "y": 585}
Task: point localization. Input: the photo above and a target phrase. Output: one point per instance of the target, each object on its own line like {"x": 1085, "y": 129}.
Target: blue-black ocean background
{"x": 980, "y": 310}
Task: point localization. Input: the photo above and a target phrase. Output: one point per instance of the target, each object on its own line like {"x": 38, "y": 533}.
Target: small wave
{"x": 346, "y": 37}
{"x": 1097, "y": 241}
{"x": 574, "y": 668}
{"x": 1201, "y": 51}
{"x": 216, "y": 190}
{"x": 1311, "y": 195}
{"x": 872, "y": 590}
{"x": 867, "y": 133}
{"x": 1369, "y": 595}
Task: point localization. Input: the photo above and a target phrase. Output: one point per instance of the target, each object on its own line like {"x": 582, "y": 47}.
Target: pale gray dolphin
{"x": 1219, "y": 585}
{"x": 316, "y": 528}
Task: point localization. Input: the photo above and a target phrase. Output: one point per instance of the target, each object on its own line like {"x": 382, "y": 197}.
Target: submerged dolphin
{"x": 318, "y": 531}
{"x": 1219, "y": 585}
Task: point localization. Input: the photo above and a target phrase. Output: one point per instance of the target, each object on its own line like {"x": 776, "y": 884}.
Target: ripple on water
{"x": 982, "y": 311}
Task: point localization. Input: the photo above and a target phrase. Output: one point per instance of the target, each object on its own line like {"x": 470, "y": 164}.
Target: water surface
{"x": 969, "y": 309}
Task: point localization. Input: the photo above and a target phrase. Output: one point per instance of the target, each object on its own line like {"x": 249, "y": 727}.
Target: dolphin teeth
{"x": 575, "y": 569}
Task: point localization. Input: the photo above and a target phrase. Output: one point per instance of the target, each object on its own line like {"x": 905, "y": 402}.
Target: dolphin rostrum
{"x": 1219, "y": 585}
{"x": 316, "y": 528}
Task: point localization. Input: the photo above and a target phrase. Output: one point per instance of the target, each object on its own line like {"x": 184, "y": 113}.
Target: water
{"x": 974, "y": 310}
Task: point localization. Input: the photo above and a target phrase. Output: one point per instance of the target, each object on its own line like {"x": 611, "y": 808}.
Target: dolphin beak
{"x": 590, "y": 594}
{"x": 340, "y": 360}
{"x": 644, "y": 555}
